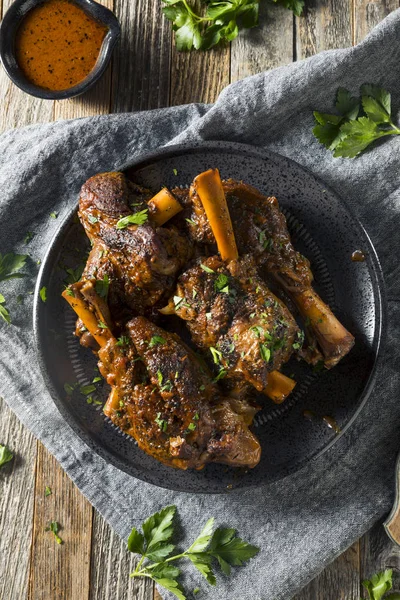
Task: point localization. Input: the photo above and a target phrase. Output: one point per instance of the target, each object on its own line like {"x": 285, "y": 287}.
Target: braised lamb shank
{"x": 200, "y": 254}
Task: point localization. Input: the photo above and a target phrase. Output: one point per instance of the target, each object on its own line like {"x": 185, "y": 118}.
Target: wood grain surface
{"x": 147, "y": 72}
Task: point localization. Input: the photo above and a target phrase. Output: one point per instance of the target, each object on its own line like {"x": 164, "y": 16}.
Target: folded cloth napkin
{"x": 305, "y": 521}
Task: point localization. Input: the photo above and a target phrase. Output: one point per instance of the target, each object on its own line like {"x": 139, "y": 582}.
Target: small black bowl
{"x": 9, "y": 27}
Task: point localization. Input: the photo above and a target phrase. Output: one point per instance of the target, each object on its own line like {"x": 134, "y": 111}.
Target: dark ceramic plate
{"x": 324, "y": 230}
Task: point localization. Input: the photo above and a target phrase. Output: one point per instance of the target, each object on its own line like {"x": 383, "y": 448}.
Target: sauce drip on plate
{"x": 358, "y": 256}
{"x": 57, "y": 44}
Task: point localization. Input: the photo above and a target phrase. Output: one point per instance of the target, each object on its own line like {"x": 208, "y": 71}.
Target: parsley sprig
{"x": 379, "y": 584}
{"x": 360, "y": 122}
{"x": 138, "y": 218}
{"x": 154, "y": 545}
{"x": 220, "y": 20}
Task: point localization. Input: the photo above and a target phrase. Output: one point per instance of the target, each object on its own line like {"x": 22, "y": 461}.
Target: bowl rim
{"x": 9, "y": 27}
{"x": 142, "y": 160}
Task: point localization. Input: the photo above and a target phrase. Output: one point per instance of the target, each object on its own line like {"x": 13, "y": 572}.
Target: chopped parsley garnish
{"x": 102, "y": 286}
{"x": 4, "y": 314}
{"x": 175, "y": 172}
{"x": 156, "y": 340}
{"x": 74, "y": 275}
{"x": 92, "y": 219}
{"x": 43, "y": 293}
{"x": 102, "y": 325}
{"x": 122, "y": 341}
{"x": 190, "y": 221}
{"x": 216, "y": 354}
{"x": 221, "y": 375}
{"x": 264, "y": 241}
{"x": 192, "y": 426}
{"x": 29, "y": 235}
{"x": 159, "y": 377}
{"x": 167, "y": 387}
{"x": 220, "y": 284}
{"x": 300, "y": 340}
{"x": 206, "y": 269}
{"x": 47, "y": 491}
{"x": 196, "y": 417}
{"x": 54, "y": 215}
{"x": 138, "y": 218}
{"x": 179, "y": 302}
{"x": 259, "y": 331}
{"x": 194, "y": 293}
{"x": 19, "y": 299}
{"x": 265, "y": 352}
{"x": 55, "y": 528}
{"x": 5, "y": 455}
{"x": 163, "y": 425}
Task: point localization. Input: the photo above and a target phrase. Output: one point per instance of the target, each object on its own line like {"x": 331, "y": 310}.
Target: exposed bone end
{"x": 333, "y": 338}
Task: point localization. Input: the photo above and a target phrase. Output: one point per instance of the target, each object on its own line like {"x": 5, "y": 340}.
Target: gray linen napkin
{"x": 302, "y": 523}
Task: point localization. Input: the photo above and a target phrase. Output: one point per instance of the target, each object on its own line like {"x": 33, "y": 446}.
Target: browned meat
{"x": 140, "y": 262}
{"x": 163, "y": 396}
{"x": 232, "y": 314}
{"x": 260, "y": 229}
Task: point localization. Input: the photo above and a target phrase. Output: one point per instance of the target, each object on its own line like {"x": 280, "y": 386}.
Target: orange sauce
{"x": 57, "y": 44}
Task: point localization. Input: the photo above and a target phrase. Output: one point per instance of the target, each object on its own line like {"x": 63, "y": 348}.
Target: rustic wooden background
{"x": 147, "y": 72}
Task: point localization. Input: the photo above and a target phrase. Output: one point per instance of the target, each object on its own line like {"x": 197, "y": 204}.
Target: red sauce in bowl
{"x": 57, "y": 44}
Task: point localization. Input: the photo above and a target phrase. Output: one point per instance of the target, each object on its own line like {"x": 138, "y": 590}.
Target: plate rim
{"x": 193, "y": 147}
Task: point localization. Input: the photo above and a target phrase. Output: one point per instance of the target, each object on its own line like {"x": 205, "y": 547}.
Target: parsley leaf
{"x": 10, "y": 264}
{"x": 55, "y": 528}
{"x": 138, "y": 218}
{"x": 361, "y": 122}
{"x": 43, "y": 293}
{"x": 47, "y": 491}
{"x": 206, "y": 269}
{"x": 4, "y": 314}
{"x": 154, "y": 544}
{"x": 163, "y": 425}
{"x": 5, "y": 455}
{"x": 219, "y": 22}
{"x": 379, "y": 584}
{"x": 220, "y": 284}
{"x": 102, "y": 285}
{"x": 156, "y": 340}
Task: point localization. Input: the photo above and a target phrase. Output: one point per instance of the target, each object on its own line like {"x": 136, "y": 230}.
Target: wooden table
{"x": 147, "y": 72}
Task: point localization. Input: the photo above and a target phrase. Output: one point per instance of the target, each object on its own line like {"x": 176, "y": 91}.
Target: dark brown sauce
{"x": 358, "y": 256}
{"x": 329, "y": 421}
{"x": 57, "y": 44}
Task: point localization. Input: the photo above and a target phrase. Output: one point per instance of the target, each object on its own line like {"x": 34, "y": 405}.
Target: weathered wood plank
{"x": 265, "y": 47}
{"x": 141, "y": 67}
{"x": 17, "y": 480}
{"x": 367, "y": 14}
{"x": 339, "y": 581}
{"x": 111, "y": 564}
{"x": 324, "y": 25}
{"x": 59, "y": 571}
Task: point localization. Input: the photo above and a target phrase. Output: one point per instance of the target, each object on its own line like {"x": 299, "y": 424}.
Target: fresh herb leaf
{"x": 4, "y": 314}
{"x": 221, "y": 282}
{"x": 10, "y": 265}
{"x": 138, "y": 218}
{"x": 265, "y": 353}
{"x": 221, "y": 375}
{"x": 74, "y": 275}
{"x": 54, "y": 215}
{"x": 300, "y": 341}
{"x": 102, "y": 325}
{"x": 192, "y": 426}
{"x": 92, "y": 219}
{"x": 157, "y": 340}
{"x": 190, "y": 221}
{"x": 351, "y": 133}
{"x": 102, "y": 286}
{"x": 123, "y": 341}
{"x": 47, "y": 491}
{"x": 55, "y": 528}
{"x": 29, "y": 235}
{"x": 220, "y": 22}
{"x": 379, "y": 584}
{"x": 43, "y": 293}
{"x": 5, "y": 455}
{"x": 216, "y": 354}
{"x": 179, "y": 302}
{"x": 154, "y": 544}
{"x": 206, "y": 269}
{"x": 175, "y": 172}
{"x": 163, "y": 425}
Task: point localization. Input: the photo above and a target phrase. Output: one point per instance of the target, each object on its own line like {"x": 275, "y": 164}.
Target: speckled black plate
{"x": 325, "y": 231}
